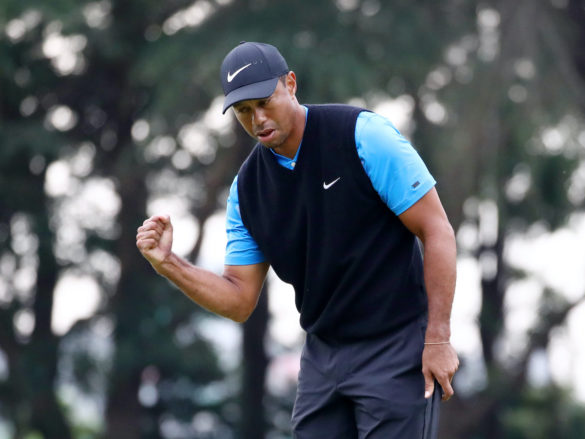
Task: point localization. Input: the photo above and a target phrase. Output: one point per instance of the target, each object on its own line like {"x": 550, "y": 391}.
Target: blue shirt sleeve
{"x": 241, "y": 248}
{"x": 395, "y": 169}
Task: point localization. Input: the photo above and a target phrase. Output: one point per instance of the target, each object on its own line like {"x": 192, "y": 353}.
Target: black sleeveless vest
{"x": 356, "y": 269}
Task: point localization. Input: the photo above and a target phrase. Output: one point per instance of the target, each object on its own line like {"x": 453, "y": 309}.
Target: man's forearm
{"x": 218, "y": 294}
{"x": 440, "y": 258}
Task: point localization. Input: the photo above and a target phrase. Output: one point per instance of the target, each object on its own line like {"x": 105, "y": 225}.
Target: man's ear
{"x": 291, "y": 83}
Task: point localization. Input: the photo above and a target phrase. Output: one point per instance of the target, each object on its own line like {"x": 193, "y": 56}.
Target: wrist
{"x": 164, "y": 265}
{"x": 438, "y": 333}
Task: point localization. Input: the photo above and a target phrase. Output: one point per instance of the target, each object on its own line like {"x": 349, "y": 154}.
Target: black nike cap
{"x": 251, "y": 71}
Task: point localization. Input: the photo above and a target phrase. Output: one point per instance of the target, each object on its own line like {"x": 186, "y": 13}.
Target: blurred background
{"x": 110, "y": 111}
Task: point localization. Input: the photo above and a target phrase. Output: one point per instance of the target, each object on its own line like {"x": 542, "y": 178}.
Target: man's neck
{"x": 291, "y": 144}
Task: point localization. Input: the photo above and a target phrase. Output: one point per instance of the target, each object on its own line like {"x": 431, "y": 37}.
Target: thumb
{"x": 429, "y": 384}
{"x": 166, "y": 222}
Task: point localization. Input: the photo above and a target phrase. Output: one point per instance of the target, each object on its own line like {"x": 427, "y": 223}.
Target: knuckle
{"x": 442, "y": 376}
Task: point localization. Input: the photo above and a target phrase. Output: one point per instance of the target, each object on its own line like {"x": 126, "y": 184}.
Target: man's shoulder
{"x": 334, "y": 107}
{"x": 340, "y": 115}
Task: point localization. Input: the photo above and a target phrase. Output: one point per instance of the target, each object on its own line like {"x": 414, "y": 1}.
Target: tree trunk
{"x": 491, "y": 318}
{"x": 40, "y": 356}
{"x": 123, "y": 408}
{"x": 255, "y": 363}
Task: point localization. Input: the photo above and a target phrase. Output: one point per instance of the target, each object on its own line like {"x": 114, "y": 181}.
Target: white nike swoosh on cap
{"x": 231, "y": 77}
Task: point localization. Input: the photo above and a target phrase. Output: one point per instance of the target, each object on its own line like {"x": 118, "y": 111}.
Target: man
{"x": 333, "y": 198}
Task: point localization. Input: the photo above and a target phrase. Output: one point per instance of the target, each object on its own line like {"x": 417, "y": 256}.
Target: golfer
{"x": 333, "y": 198}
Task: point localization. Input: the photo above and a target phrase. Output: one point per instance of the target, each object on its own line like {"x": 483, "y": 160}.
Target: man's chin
{"x": 271, "y": 145}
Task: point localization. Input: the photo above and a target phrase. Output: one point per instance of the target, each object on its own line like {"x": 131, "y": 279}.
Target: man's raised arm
{"x": 233, "y": 295}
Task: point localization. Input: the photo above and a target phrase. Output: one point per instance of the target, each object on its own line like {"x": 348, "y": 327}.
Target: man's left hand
{"x": 440, "y": 363}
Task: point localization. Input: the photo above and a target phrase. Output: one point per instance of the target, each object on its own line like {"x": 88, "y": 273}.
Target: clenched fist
{"x": 154, "y": 239}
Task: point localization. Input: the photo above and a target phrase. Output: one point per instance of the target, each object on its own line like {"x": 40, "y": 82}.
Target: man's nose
{"x": 258, "y": 116}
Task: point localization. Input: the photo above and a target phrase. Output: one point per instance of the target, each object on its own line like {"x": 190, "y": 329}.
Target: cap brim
{"x": 258, "y": 90}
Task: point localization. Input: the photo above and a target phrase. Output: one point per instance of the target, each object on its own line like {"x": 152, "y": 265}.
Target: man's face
{"x": 270, "y": 120}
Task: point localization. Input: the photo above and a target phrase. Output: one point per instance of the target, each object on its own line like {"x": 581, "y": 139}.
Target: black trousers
{"x": 372, "y": 389}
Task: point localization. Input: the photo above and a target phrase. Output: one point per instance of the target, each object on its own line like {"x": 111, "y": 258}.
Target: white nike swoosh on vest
{"x": 231, "y": 77}
{"x": 328, "y": 185}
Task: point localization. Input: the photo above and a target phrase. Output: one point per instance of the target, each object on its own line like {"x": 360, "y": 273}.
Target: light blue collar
{"x": 287, "y": 162}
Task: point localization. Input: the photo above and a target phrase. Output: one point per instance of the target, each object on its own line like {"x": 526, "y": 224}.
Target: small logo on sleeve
{"x": 415, "y": 184}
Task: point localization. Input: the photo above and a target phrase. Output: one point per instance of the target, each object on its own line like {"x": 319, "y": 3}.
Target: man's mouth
{"x": 264, "y": 134}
